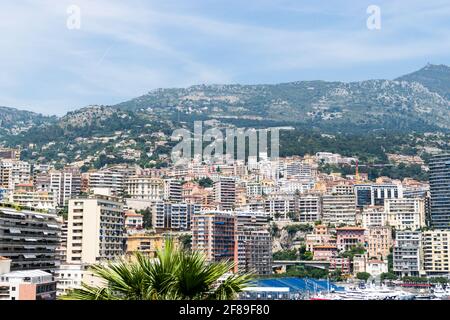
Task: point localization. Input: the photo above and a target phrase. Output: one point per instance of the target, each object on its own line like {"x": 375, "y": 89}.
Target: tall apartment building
{"x": 309, "y": 208}
{"x": 253, "y": 189}
{"x": 440, "y": 191}
{"x": 253, "y": 243}
{"x": 173, "y": 216}
{"x": 145, "y": 188}
{"x": 379, "y": 242}
{"x": 61, "y": 250}
{"x": 405, "y": 213}
{"x": 374, "y": 194}
{"x": 436, "y": 252}
{"x": 343, "y": 188}
{"x": 26, "y": 195}
{"x": 280, "y": 205}
{"x": 66, "y": 184}
{"x": 225, "y": 193}
{"x": 213, "y": 233}
{"x": 172, "y": 190}
{"x": 339, "y": 209}
{"x": 29, "y": 238}
{"x": 13, "y": 172}
{"x": 112, "y": 178}
{"x": 407, "y": 253}
{"x": 254, "y": 251}
{"x": 297, "y": 169}
{"x": 96, "y": 229}
{"x": 374, "y": 216}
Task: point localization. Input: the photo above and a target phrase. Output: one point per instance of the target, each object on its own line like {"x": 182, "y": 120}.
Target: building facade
{"x": 407, "y": 253}
{"x": 440, "y": 191}
{"x": 96, "y": 229}
{"x": 213, "y": 233}
{"x": 29, "y": 238}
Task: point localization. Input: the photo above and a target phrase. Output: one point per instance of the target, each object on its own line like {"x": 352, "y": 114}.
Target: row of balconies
{"x": 28, "y": 230}
{"x": 28, "y": 236}
{"x": 27, "y": 224}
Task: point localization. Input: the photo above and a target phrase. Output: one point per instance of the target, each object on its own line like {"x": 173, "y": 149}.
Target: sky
{"x": 123, "y": 49}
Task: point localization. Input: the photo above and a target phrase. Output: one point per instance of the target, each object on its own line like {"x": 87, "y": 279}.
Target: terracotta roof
{"x": 325, "y": 247}
{"x": 132, "y": 214}
{"x": 351, "y": 228}
{"x": 375, "y": 261}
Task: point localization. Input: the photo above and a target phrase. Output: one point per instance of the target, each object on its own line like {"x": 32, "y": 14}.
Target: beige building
{"x": 379, "y": 241}
{"x": 436, "y": 252}
{"x": 149, "y": 244}
{"x": 339, "y": 209}
{"x": 95, "y": 229}
{"x": 373, "y": 216}
{"x": 145, "y": 188}
{"x": 25, "y": 195}
{"x": 405, "y": 213}
{"x": 13, "y": 172}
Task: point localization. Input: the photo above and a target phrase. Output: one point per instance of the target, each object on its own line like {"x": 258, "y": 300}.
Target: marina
{"x": 313, "y": 289}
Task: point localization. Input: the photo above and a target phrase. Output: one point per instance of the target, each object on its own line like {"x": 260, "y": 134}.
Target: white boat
{"x": 370, "y": 293}
{"x": 440, "y": 292}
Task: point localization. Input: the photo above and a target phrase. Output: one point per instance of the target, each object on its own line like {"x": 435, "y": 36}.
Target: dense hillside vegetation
{"x": 367, "y": 119}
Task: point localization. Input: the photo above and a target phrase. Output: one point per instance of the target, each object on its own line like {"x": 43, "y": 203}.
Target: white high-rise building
{"x": 172, "y": 190}
{"x": 405, "y": 213}
{"x": 225, "y": 193}
{"x": 309, "y": 208}
{"x": 339, "y": 209}
{"x": 112, "y": 178}
{"x": 95, "y": 229}
{"x": 173, "y": 216}
{"x": 13, "y": 172}
{"x": 407, "y": 253}
{"x": 66, "y": 184}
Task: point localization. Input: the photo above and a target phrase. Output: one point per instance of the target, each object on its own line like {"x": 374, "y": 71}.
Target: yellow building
{"x": 147, "y": 244}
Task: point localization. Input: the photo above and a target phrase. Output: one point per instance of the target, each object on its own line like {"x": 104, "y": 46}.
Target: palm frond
{"x": 172, "y": 275}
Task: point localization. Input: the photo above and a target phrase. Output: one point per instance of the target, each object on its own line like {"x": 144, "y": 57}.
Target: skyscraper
{"x": 95, "y": 229}
{"x": 440, "y": 191}
{"x": 213, "y": 233}
{"x": 225, "y": 193}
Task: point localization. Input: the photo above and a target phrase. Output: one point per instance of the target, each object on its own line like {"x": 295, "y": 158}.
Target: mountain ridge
{"x": 420, "y": 98}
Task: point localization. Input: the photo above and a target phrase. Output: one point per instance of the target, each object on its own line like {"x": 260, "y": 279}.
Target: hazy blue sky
{"x": 126, "y": 48}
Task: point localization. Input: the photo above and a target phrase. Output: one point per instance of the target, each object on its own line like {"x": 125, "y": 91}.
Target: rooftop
{"x": 350, "y": 228}
{"x": 27, "y": 273}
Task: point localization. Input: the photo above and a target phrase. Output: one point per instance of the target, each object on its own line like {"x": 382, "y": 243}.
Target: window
{"x": 13, "y": 288}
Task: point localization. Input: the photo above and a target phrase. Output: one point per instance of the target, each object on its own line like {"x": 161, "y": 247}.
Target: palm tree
{"x": 175, "y": 274}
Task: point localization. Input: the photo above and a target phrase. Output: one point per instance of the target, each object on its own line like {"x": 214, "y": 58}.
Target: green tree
{"x": 336, "y": 275}
{"x": 176, "y": 274}
{"x": 388, "y": 276}
{"x": 285, "y": 255}
{"x": 356, "y": 250}
{"x": 205, "y": 182}
{"x": 186, "y": 241}
{"x": 363, "y": 276}
{"x": 147, "y": 217}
